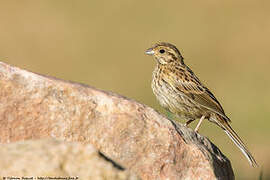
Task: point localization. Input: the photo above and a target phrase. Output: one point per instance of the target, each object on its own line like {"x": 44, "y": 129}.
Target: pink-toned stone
{"x": 33, "y": 106}
{"x": 51, "y": 158}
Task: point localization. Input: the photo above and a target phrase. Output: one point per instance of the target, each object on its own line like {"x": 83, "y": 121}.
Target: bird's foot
{"x": 188, "y": 122}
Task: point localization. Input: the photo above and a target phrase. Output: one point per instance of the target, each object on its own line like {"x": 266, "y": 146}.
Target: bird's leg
{"x": 199, "y": 124}
{"x": 188, "y": 122}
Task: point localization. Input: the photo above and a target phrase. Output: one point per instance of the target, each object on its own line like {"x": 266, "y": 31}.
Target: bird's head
{"x": 165, "y": 53}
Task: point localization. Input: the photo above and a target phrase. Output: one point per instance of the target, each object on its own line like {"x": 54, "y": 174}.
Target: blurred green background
{"x": 102, "y": 43}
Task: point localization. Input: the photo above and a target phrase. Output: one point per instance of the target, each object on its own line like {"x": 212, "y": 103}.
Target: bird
{"x": 180, "y": 92}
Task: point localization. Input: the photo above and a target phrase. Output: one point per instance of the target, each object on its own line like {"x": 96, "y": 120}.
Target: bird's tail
{"x": 238, "y": 142}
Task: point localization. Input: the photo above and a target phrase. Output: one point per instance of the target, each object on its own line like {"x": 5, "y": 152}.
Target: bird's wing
{"x": 191, "y": 86}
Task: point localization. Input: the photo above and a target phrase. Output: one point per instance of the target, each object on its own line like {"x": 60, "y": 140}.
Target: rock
{"x": 135, "y": 136}
{"x": 51, "y": 158}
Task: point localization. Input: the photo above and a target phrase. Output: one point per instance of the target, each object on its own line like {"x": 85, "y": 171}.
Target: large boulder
{"x": 135, "y": 136}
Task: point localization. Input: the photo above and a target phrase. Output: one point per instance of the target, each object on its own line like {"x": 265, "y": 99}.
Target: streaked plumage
{"x": 179, "y": 91}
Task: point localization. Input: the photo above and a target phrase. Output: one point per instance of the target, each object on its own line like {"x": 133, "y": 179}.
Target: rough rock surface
{"x": 51, "y": 158}
{"x": 33, "y": 106}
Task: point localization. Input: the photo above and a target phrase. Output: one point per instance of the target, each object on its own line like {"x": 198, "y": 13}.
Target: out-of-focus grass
{"x": 102, "y": 43}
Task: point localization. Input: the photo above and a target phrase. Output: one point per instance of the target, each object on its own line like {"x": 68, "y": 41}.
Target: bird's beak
{"x": 149, "y": 51}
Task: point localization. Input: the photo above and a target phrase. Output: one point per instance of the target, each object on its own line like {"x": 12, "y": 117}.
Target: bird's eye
{"x": 162, "y": 51}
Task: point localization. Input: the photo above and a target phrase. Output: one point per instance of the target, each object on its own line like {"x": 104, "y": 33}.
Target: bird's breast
{"x": 170, "y": 98}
